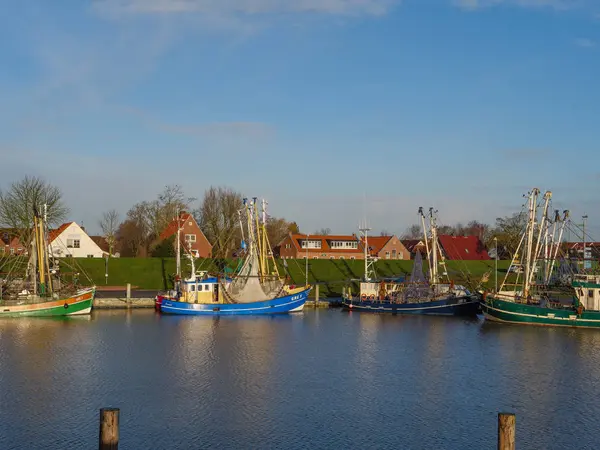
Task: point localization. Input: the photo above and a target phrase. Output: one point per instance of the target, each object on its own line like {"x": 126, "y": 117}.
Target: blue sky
{"x": 316, "y": 105}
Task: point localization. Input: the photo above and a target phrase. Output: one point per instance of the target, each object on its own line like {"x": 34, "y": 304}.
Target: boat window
{"x": 192, "y": 288}
{"x": 590, "y": 293}
{"x": 206, "y": 287}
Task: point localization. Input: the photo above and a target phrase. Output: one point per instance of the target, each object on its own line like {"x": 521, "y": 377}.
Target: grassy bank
{"x": 156, "y": 273}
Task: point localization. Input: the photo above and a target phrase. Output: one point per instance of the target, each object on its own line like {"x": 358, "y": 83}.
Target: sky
{"x": 333, "y": 110}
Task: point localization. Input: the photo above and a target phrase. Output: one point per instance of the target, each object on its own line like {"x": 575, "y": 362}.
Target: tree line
{"x": 138, "y": 232}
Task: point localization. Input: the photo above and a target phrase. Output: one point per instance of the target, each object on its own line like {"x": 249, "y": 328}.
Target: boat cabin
{"x": 587, "y": 289}
{"x": 203, "y": 289}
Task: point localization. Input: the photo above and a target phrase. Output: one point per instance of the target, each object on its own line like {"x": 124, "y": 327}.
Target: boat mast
{"x": 530, "y": 232}
{"x": 368, "y": 260}
{"x": 556, "y": 246}
{"x": 45, "y": 242}
{"x": 264, "y": 238}
{"x": 434, "y": 247}
{"x": 178, "y": 244}
{"x": 426, "y": 243}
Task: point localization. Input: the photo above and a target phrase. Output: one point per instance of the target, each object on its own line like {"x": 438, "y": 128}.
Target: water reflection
{"x": 324, "y": 379}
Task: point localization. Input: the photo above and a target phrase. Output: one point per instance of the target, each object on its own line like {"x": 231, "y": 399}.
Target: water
{"x": 320, "y": 379}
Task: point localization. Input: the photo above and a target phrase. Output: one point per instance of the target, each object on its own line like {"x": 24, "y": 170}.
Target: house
{"x": 297, "y": 245}
{"x": 10, "y": 243}
{"x": 71, "y": 240}
{"x": 191, "y": 236}
{"x": 386, "y": 247}
{"x": 413, "y": 246}
{"x": 466, "y": 248}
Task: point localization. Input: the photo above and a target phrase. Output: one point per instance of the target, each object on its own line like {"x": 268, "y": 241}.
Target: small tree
{"x": 109, "y": 224}
{"x": 165, "y": 248}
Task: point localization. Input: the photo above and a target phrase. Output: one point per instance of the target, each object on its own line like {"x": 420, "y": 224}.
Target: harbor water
{"x": 317, "y": 379}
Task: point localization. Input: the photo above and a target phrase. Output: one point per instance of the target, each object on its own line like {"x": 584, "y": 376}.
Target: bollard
{"x": 109, "y": 429}
{"x": 506, "y": 431}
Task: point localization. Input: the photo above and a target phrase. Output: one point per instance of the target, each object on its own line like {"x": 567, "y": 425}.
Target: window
{"x": 394, "y": 254}
{"x": 352, "y": 257}
{"x": 190, "y": 238}
{"x": 90, "y": 256}
{"x": 315, "y": 257}
{"x": 12, "y": 250}
{"x": 206, "y": 287}
{"x": 69, "y": 243}
{"x": 190, "y": 224}
{"x": 19, "y": 250}
{"x": 192, "y": 288}
{"x": 332, "y": 257}
{"x": 401, "y": 255}
{"x": 288, "y": 246}
{"x": 2, "y": 250}
{"x": 466, "y": 250}
{"x": 311, "y": 243}
{"x": 68, "y": 255}
{"x": 341, "y": 257}
{"x": 75, "y": 243}
{"x": 590, "y": 293}
{"x": 387, "y": 255}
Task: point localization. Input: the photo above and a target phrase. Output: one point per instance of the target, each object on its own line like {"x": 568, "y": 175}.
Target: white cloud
{"x": 248, "y": 7}
{"x": 554, "y": 4}
{"x": 585, "y": 43}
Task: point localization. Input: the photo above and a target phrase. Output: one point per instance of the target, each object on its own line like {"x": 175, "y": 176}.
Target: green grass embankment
{"x": 333, "y": 275}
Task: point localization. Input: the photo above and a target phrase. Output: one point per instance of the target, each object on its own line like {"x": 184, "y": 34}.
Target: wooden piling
{"x": 316, "y": 295}
{"x": 109, "y": 429}
{"x": 128, "y": 294}
{"x": 506, "y": 431}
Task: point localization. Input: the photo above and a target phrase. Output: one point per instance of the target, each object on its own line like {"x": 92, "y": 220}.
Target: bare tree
{"x": 18, "y": 201}
{"x": 109, "y": 224}
{"x": 384, "y": 232}
{"x": 323, "y": 232}
{"x": 278, "y": 229}
{"x": 413, "y": 232}
{"x": 219, "y": 220}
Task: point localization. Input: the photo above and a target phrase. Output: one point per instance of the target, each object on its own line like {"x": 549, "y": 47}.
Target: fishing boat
{"x": 534, "y": 295}
{"x": 35, "y": 288}
{"x": 418, "y": 295}
{"x": 256, "y": 287}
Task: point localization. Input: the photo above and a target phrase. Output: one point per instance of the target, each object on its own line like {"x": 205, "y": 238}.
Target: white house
{"x": 71, "y": 240}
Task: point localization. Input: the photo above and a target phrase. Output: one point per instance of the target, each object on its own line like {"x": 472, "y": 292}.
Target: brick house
{"x": 466, "y": 248}
{"x": 413, "y": 246}
{"x": 387, "y": 247}
{"x": 191, "y": 236}
{"x": 10, "y": 244}
{"x": 321, "y": 247}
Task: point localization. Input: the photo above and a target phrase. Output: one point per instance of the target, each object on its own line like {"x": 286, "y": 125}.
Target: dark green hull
{"x": 507, "y": 311}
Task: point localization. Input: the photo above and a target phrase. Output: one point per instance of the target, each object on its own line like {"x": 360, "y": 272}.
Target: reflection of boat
{"x": 256, "y": 288}
{"x": 418, "y": 296}
{"x": 536, "y": 296}
{"x": 37, "y": 289}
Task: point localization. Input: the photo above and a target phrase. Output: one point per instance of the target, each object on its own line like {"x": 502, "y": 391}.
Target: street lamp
{"x": 584, "y": 219}
{"x": 307, "y": 259}
{"x": 496, "y": 266}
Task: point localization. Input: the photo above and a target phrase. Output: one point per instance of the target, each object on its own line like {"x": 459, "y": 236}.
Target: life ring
{"x": 372, "y": 297}
{"x": 66, "y": 306}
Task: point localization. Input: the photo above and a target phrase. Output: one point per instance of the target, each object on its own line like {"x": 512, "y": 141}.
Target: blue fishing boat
{"x": 256, "y": 288}
{"x": 418, "y": 295}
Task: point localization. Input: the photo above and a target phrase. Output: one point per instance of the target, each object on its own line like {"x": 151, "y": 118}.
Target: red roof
{"x": 325, "y": 247}
{"x": 53, "y": 234}
{"x": 411, "y": 244}
{"x": 463, "y": 247}
{"x": 376, "y": 243}
{"x": 172, "y": 227}
{"x": 100, "y": 242}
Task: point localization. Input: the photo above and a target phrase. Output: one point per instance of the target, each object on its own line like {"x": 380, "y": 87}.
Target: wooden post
{"x": 316, "y": 295}
{"x": 109, "y": 429}
{"x": 128, "y": 294}
{"x": 506, "y": 431}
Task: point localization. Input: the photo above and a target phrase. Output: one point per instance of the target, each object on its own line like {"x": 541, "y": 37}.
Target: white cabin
{"x": 70, "y": 240}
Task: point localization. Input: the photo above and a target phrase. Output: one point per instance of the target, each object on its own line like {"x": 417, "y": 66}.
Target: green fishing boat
{"x": 32, "y": 285}
{"x": 533, "y": 294}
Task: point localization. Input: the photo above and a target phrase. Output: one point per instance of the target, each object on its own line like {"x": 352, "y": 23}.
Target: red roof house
{"x": 321, "y": 247}
{"x": 386, "y": 247}
{"x": 191, "y": 236}
{"x": 466, "y": 248}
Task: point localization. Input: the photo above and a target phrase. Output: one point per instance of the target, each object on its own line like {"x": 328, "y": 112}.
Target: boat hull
{"x": 281, "y": 305}
{"x": 455, "y": 306}
{"x": 498, "y": 310}
{"x": 79, "y": 304}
